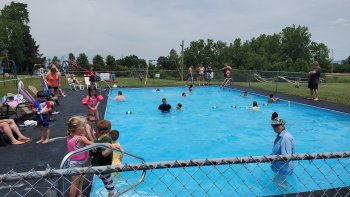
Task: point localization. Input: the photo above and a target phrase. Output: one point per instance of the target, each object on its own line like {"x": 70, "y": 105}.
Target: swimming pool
{"x": 210, "y": 127}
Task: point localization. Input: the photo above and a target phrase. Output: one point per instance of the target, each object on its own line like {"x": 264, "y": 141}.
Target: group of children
{"x": 81, "y": 133}
{"x": 78, "y": 137}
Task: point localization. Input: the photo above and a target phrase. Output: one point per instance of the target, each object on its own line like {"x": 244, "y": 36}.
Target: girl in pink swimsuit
{"x": 75, "y": 140}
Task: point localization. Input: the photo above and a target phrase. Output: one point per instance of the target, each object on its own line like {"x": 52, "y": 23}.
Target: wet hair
{"x": 274, "y": 115}
{"x": 73, "y": 123}
{"x": 183, "y": 94}
{"x": 40, "y": 94}
{"x": 114, "y": 135}
{"x": 103, "y": 126}
{"x": 271, "y": 95}
{"x": 120, "y": 93}
{"x": 255, "y": 104}
{"x": 179, "y": 104}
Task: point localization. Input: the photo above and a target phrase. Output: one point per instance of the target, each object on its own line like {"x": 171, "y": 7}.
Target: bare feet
{"x": 24, "y": 139}
{"x": 45, "y": 142}
{"x": 41, "y": 140}
{"x": 17, "y": 142}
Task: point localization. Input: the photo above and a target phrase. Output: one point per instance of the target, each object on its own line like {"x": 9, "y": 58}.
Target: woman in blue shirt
{"x": 283, "y": 145}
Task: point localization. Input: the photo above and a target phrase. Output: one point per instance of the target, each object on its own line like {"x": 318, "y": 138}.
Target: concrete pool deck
{"x": 21, "y": 158}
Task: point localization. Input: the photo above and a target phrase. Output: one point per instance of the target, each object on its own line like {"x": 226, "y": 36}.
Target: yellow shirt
{"x": 117, "y": 157}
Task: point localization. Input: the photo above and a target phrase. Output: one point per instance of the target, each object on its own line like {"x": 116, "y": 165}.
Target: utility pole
{"x": 332, "y": 61}
{"x": 182, "y": 60}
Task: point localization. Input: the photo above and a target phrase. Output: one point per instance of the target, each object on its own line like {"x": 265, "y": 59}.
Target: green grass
{"x": 338, "y": 77}
{"x": 333, "y": 92}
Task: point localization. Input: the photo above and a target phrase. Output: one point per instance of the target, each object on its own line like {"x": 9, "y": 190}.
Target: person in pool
{"x": 245, "y": 93}
{"x": 272, "y": 99}
{"x": 274, "y": 115}
{"x": 255, "y": 106}
{"x": 120, "y": 96}
{"x": 164, "y": 107}
{"x": 184, "y": 94}
{"x": 190, "y": 88}
{"x": 178, "y": 107}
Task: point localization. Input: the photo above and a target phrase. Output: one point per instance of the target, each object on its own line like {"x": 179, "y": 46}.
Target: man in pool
{"x": 283, "y": 145}
{"x": 164, "y": 107}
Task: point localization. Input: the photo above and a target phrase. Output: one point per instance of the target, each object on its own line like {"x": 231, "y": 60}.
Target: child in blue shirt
{"x": 42, "y": 108}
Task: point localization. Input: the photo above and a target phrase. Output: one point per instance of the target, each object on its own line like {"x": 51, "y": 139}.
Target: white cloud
{"x": 342, "y": 22}
{"x": 150, "y": 28}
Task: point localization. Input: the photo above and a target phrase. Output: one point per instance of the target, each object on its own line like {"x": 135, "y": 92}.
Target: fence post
{"x": 250, "y": 76}
{"x": 277, "y": 74}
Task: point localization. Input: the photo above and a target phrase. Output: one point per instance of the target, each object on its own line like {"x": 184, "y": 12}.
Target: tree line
{"x": 292, "y": 49}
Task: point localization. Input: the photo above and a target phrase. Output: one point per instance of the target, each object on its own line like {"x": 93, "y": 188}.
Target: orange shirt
{"x": 52, "y": 79}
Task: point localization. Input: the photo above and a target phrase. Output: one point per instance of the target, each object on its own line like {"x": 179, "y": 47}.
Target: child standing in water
{"x": 75, "y": 140}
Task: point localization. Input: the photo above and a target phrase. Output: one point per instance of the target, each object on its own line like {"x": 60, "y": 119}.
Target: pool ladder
{"x": 65, "y": 160}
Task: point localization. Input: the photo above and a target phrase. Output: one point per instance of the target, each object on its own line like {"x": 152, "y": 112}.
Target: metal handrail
{"x": 101, "y": 145}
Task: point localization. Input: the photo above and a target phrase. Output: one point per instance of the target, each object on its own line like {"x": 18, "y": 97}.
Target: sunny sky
{"x": 150, "y": 28}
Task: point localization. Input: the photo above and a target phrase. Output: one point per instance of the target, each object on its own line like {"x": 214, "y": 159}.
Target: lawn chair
{"x": 87, "y": 82}
{"x": 33, "y": 89}
{"x": 74, "y": 86}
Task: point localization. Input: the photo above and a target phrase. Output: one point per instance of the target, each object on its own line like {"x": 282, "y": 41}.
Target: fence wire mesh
{"x": 324, "y": 174}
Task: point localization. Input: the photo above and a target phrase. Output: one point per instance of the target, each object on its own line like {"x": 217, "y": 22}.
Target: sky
{"x": 151, "y": 28}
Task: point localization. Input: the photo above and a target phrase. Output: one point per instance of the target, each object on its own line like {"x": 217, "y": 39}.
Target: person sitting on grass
{"x": 272, "y": 99}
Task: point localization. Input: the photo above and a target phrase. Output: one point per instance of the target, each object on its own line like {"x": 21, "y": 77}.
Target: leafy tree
{"x": 15, "y": 36}
{"x": 131, "y": 61}
{"x": 71, "y": 56}
{"x": 98, "y": 62}
{"x": 82, "y": 60}
{"x": 110, "y": 61}
{"x": 295, "y": 42}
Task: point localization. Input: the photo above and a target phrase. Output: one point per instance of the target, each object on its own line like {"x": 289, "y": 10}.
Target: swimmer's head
{"x": 274, "y": 115}
{"x": 157, "y": 89}
{"x": 271, "y": 95}
{"x": 164, "y": 100}
{"x": 255, "y": 104}
{"x": 184, "y": 94}
{"x": 179, "y": 106}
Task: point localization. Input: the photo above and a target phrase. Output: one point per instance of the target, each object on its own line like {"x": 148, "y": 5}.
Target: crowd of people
{"x": 81, "y": 130}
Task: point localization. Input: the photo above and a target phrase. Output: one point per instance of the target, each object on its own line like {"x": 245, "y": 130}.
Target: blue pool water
{"x": 203, "y": 131}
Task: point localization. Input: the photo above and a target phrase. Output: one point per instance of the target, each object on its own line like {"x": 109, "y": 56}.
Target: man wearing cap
{"x": 283, "y": 145}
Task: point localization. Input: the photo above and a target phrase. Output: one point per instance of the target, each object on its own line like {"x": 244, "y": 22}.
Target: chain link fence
{"x": 320, "y": 174}
{"x": 274, "y": 81}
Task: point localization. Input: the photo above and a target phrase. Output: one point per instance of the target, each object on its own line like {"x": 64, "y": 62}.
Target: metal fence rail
{"x": 313, "y": 175}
